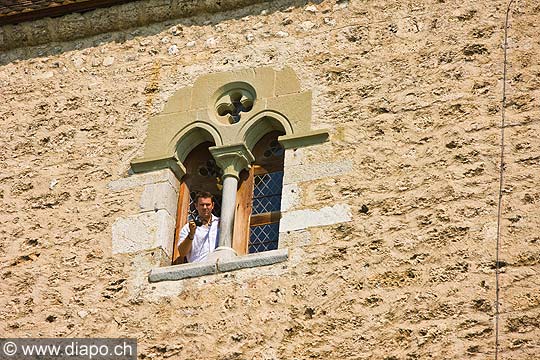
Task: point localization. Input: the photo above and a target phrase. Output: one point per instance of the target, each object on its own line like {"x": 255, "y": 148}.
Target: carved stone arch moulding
{"x": 229, "y": 109}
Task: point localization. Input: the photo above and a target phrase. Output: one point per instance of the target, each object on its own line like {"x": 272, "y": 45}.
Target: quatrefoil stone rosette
{"x": 234, "y": 104}
{"x": 229, "y": 109}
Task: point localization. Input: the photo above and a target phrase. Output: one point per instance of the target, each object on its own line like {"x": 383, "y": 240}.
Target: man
{"x": 197, "y": 242}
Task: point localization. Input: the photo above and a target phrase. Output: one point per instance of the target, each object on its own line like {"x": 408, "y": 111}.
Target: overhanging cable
{"x": 501, "y": 183}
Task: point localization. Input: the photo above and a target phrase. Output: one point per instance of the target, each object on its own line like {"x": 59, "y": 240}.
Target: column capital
{"x": 232, "y": 158}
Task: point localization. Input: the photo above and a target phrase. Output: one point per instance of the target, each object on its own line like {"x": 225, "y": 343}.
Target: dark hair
{"x": 204, "y": 195}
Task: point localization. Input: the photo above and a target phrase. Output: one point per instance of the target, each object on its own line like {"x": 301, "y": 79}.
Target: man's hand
{"x": 192, "y": 228}
{"x": 185, "y": 246}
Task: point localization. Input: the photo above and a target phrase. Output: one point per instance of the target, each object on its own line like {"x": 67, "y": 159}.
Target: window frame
{"x": 244, "y": 219}
{"x": 197, "y": 156}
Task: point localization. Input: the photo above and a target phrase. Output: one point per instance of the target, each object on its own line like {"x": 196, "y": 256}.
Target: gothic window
{"x": 258, "y": 208}
{"x": 221, "y": 135}
{"x": 202, "y": 174}
{"x": 259, "y": 198}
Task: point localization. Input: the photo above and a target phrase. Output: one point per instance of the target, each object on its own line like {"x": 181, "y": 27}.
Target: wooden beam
{"x": 244, "y": 200}
{"x": 181, "y": 220}
{"x": 55, "y": 11}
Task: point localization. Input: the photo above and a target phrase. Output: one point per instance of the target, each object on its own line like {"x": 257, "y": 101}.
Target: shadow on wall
{"x": 49, "y": 37}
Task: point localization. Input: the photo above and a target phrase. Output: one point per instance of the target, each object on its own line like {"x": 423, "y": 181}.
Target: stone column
{"x": 232, "y": 159}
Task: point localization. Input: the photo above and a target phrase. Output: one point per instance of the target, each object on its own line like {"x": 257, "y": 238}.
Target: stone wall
{"x": 117, "y": 18}
{"x": 412, "y": 94}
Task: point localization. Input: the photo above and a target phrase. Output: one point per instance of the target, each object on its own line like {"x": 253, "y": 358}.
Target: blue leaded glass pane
{"x": 266, "y": 199}
{"x": 266, "y": 204}
{"x": 268, "y": 184}
{"x": 263, "y": 238}
{"x": 267, "y": 192}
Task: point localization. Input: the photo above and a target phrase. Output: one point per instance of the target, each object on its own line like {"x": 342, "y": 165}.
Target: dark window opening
{"x": 202, "y": 174}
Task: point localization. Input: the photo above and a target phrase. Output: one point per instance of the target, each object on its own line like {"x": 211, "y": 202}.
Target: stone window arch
{"x": 229, "y": 115}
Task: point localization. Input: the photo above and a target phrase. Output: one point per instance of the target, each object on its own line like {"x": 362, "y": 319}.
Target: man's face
{"x": 205, "y": 207}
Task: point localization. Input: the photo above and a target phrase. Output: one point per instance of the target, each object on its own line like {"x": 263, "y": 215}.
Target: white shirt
{"x": 204, "y": 241}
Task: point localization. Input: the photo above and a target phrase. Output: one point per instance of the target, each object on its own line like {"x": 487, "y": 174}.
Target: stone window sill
{"x": 184, "y": 271}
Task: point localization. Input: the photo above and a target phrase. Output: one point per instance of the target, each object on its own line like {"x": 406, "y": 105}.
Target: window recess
{"x": 202, "y": 174}
{"x": 258, "y": 210}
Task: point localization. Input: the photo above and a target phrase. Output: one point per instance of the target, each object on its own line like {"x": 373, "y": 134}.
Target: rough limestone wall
{"x": 411, "y": 91}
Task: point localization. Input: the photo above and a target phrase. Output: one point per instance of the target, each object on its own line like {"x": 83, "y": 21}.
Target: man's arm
{"x": 184, "y": 247}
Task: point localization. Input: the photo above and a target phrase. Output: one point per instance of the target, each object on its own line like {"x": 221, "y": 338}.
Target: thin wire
{"x": 501, "y": 183}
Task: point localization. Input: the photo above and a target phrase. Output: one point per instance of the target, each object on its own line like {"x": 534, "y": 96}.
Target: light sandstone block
{"x": 166, "y": 289}
{"x": 137, "y": 180}
{"x": 145, "y": 231}
{"x": 296, "y": 108}
{"x": 302, "y": 219}
{"x": 293, "y": 157}
{"x": 160, "y": 196}
{"x": 178, "y": 102}
{"x": 290, "y": 197}
{"x": 286, "y": 82}
{"x": 308, "y": 172}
